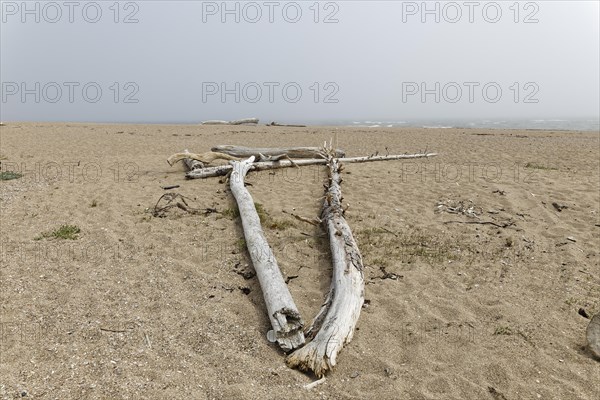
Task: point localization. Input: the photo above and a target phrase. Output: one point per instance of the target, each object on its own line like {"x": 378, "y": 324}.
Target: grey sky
{"x": 373, "y": 61}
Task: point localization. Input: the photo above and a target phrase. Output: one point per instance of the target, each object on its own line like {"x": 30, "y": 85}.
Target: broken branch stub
{"x": 285, "y": 318}
{"x": 334, "y": 325}
{"x": 192, "y": 164}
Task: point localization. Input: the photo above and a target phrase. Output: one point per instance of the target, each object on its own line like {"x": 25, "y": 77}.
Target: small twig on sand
{"x": 112, "y": 330}
{"x": 388, "y": 231}
{"x": 170, "y": 187}
{"x": 313, "y": 221}
{"x": 311, "y": 385}
{"x": 504, "y": 225}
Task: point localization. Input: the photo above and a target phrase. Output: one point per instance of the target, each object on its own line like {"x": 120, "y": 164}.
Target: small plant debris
{"x": 66, "y": 232}
{"x": 539, "y": 166}
{"x": 9, "y": 175}
{"x": 465, "y": 207}
{"x": 175, "y": 200}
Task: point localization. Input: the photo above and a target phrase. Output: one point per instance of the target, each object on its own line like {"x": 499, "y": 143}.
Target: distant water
{"x": 582, "y": 124}
{"x": 546, "y": 124}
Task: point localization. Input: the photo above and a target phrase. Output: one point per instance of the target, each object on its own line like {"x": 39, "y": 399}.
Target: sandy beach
{"x": 474, "y": 279}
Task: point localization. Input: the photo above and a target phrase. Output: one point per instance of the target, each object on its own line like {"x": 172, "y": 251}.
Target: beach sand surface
{"x": 144, "y": 307}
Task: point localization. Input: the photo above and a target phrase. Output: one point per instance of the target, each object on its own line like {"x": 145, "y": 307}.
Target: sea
{"x": 583, "y": 124}
{"x": 567, "y": 124}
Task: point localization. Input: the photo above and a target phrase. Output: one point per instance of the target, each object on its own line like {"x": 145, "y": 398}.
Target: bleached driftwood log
{"x": 267, "y": 165}
{"x": 253, "y": 121}
{"x": 291, "y": 152}
{"x": 285, "y": 318}
{"x": 334, "y": 325}
{"x": 204, "y": 158}
{"x": 593, "y": 335}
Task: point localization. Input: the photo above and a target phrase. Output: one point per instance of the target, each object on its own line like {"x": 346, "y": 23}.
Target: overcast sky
{"x": 187, "y": 61}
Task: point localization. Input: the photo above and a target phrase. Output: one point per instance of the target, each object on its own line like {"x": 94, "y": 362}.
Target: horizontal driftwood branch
{"x": 291, "y": 152}
{"x": 285, "y": 318}
{"x": 334, "y": 325}
{"x": 267, "y": 165}
{"x": 235, "y": 122}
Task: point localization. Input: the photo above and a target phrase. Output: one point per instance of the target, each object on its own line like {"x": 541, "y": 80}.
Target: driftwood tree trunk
{"x": 285, "y": 319}
{"x": 334, "y": 325}
{"x": 267, "y": 165}
{"x": 235, "y": 122}
{"x": 291, "y": 152}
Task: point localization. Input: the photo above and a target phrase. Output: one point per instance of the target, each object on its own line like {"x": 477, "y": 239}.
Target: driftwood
{"x": 253, "y": 121}
{"x": 204, "y": 158}
{"x": 334, "y": 325}
{"x": 593, "y": 335}
{"x": 196, "y": 161}
{"x": 285, "y": 319}
{"x": 273, "y": 123}
{"x": 292, "y": 152}
{"x": 267, "y": 165}
{"x": 190, "y": 163}
{"x": 278, "y": 157}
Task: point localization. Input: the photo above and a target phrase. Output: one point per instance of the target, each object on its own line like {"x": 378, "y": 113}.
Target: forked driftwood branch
{"x": 285, "y": 318}
{"x": 334, "y": 325}
{"x": 267, "y": 165}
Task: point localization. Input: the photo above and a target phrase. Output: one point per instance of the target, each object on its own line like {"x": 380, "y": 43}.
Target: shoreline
{"x": 71, "y": 123}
